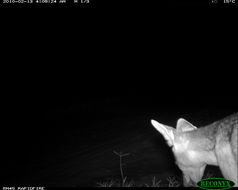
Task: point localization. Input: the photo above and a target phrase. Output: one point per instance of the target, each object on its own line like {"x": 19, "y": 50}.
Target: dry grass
{"x": 154, "y": 183}
{"x": 123, "y": 182}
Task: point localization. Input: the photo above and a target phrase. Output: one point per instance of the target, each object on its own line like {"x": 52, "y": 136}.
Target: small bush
{"x": 173, "y": 182}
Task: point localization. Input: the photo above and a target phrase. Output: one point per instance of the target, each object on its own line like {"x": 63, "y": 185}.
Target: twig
{"x": 121, "y": 169}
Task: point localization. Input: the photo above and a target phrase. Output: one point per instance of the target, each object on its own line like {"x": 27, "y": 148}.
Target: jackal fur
{"x": 194, "y": 148}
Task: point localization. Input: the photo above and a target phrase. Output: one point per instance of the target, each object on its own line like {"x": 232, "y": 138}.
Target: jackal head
{"x": 182, "y": 147}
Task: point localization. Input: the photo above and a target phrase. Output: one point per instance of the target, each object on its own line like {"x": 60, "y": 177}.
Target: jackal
{"x": 194, "y": 148}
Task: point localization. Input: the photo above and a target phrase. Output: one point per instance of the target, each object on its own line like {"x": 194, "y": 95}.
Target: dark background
{"x": 62, "y": 130}
{"x": 74, "y": 90}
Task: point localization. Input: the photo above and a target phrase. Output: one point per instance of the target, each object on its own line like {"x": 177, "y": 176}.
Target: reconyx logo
{"x": 215, "y": 183}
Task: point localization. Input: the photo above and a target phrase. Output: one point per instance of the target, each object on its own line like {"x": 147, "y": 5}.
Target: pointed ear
{"x": 183, "y": 125}
{"x": 167, "y": 132}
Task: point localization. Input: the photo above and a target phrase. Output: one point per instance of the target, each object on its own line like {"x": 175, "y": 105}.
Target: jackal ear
{"x": 183, "y": 125}
{"x": 166, "y": 131}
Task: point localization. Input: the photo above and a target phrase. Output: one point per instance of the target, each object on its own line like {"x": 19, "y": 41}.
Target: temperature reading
{"x": 84, "y": 1}
{"x": 214, "y": 1}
